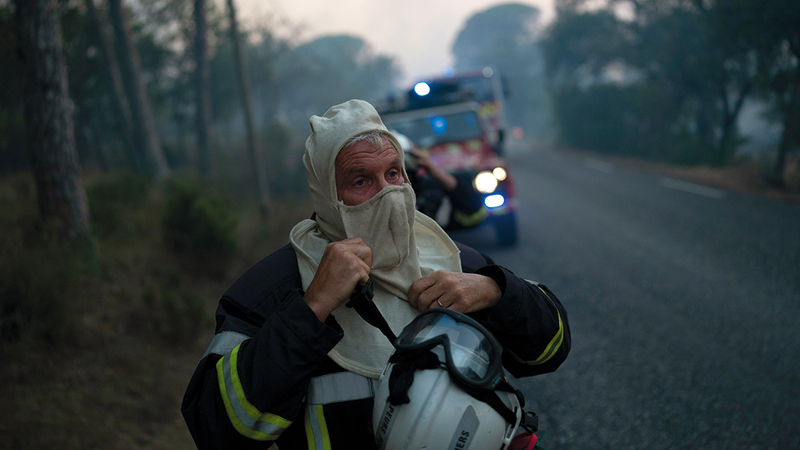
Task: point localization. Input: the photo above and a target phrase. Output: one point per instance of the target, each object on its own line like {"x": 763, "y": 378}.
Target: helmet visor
{"x": 470, "y": 352}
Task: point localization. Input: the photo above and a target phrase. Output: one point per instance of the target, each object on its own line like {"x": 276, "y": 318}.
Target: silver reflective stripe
{"x": 224, "y": 342}
{"x": 250, "y": 422}
{"x": 315, "y": 428}
{"x": 340, "y": 387}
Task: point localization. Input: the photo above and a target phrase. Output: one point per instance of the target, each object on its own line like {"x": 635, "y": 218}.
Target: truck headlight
{"x": 494, "y": 201}
{"x": 485, "y": 182}
{"x": 499, "y": 173}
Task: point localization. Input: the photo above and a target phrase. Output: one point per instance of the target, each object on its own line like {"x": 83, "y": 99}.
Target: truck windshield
{"x": 438, "y": 129}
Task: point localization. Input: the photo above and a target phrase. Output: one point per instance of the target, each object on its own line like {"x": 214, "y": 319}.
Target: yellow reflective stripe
{"x": 317, "y": 435}
{"x": 552, "y": 346}
{"x": 251, "y": 410}
{"x": 469, "y": 220}
{"x": 245, "y": 417}
{"x": 323, "y": 427}
{"x": 474, "y": 145}
{"x": 309, "y": 431}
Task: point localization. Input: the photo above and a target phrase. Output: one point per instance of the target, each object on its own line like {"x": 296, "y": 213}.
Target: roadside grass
{"x": 99, "y": 355}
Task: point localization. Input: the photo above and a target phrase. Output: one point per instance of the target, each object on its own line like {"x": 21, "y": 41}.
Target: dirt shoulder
{"x": 749, "y": 179}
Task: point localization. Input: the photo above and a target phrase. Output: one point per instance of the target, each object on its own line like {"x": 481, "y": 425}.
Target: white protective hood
{"x": 364, "y": 349}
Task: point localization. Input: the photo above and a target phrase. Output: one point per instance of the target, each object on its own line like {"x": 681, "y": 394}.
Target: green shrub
{"x": 20, "y": 212}
{"x": 592, "y": 119}
{"x": 688, "y": 150}
{"x": 174, "y": 311}
{"x": 39, "y": 281}
{"x": 642, "y": 120}
{"x": 198, "y": 222}
{"x": 109, "y": 196}
{"x": 39, "y": 293}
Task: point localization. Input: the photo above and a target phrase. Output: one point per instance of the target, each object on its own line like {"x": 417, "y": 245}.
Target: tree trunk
{"x": 256, "y": 153}
{"x": 144, "y": 127}
{"x": 203, "y": 90}
{"x": 791, "y": 130}
{"x": 780, "y": 160}
{"x": 730, "y": 114}
{"x": 119, "y": 99}
{"x": 48, "y": 120}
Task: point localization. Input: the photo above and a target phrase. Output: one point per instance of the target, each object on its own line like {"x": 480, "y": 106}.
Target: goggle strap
{"x": 505, "y": 386}
{"x": 402, "y": 376}
{"x": 491, "y": 398}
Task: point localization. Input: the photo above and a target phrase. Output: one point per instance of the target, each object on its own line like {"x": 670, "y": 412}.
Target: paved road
{"x": 683, "y": 303}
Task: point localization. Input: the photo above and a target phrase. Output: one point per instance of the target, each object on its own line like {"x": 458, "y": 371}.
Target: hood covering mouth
{"x": 329, "y": 134}
{"x": 411, "y": 244}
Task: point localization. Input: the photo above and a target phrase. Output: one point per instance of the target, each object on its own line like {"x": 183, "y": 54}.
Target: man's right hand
{"x": 343, "y": 265}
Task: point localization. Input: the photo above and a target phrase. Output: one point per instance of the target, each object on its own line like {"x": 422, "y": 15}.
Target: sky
{"x": 417, "y": 33}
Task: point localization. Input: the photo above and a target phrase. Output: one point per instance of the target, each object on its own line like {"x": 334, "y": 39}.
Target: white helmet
{"x": 403, "y": 140}
{"x": 406, "y": 146}
{"x": 440, "y": 415}
{"x": 439, "y": 412}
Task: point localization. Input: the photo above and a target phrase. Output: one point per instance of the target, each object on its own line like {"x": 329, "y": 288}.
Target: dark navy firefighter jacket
{"x": 266, "y": 377}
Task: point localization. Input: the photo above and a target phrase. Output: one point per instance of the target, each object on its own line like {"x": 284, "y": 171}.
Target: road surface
{"x": 683, "y": 301}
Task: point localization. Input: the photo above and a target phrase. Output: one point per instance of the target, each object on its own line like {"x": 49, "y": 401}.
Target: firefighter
{"x": 464, "y": 206}
{"x": 290, "y": 363}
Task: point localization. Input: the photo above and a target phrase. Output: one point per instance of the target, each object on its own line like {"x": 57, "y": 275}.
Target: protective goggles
{"x": 472, "y": 355}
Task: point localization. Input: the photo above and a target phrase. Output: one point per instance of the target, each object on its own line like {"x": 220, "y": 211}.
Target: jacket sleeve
{"x": 529, "y": 321}
{"x": 249, "y": 386}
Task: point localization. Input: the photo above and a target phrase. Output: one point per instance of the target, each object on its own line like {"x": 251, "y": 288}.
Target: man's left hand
{"x": 462, "y": 292}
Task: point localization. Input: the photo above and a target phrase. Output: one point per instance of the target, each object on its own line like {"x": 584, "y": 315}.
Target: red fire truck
{"x": 464, "y": 136}
{"x": 483, "y": 86}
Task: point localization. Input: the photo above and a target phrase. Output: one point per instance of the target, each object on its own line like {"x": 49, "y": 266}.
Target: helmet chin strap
{"x": 361, "y": 301}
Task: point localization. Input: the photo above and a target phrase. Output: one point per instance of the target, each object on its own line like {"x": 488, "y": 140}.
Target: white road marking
{"x": 599, "y": 166}
{"x": 692, "y": 188}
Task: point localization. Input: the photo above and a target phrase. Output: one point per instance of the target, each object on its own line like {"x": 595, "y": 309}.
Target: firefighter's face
{"x": 363, "y": 170}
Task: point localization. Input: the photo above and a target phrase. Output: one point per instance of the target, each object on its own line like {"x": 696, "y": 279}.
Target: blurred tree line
{"x": 163, "y": 86}
{"x": 152, "y": 127}
{"x": 667, "y": 79}
{"x": 506, "y": 37}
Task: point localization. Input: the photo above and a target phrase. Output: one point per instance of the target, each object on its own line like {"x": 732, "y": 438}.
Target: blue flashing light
{"x": 439, "y": 124}
{"x": 448, "y": 72}
{"x": 422, "y": 89}
{"x": 471, "y": 120}
{"x": 494, "y": 201}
